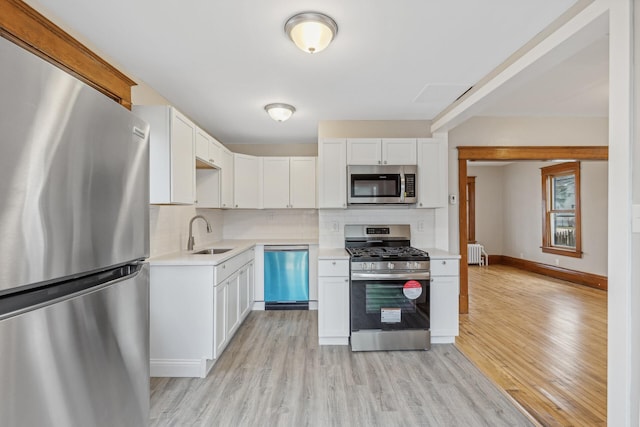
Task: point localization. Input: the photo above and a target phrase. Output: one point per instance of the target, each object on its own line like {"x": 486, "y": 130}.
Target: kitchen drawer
{"x": 333, "y": 268}
{"x": 230, "y": 266}
{"x": 445, "y": 267}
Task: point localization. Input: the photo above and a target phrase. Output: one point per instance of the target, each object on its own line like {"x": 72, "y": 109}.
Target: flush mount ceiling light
{"x": 280, "y": 112}
{"x": 311, "y": 31}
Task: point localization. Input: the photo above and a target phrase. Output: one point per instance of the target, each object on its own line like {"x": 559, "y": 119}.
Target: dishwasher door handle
{"x": 286, "y": 248}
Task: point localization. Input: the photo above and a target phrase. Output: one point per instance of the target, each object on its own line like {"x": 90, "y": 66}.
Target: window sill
{"x": 563, "y": 252}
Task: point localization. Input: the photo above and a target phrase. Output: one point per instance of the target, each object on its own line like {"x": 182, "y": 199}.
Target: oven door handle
{"x": 392, "y": 276}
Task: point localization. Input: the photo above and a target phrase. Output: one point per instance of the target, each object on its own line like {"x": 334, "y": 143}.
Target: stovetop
{"x": 387, "y": 253}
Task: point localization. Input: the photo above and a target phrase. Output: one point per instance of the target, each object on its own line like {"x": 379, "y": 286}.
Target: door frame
{"x": 494, "y": 153}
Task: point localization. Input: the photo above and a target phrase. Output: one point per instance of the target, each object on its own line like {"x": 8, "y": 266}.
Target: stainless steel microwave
{"x": 383, "y": 184}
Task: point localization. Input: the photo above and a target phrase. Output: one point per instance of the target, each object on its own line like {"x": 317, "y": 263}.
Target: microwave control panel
{"x": 410, "y": 185}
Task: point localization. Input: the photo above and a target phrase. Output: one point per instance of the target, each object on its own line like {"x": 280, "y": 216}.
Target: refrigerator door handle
{"x": 35, "y": 298}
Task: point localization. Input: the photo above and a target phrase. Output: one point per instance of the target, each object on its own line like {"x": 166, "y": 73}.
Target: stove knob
{"x": 416, "y": 264}
{"x": 408, "y": 265}
{"x": 391, "y": 266}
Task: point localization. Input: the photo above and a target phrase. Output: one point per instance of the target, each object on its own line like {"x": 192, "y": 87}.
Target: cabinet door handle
{"x": 444, "y": 262}
{"x": 378, "y": 161}
{"x": 385, "y": 162}
{"x": 334, "y": 263}
{"x": 236, "y": 206}
{"x": 346, "y": 280}
{"x": 420, "y": 204}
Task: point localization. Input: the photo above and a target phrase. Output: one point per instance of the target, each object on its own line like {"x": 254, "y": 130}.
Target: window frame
{"x": 548, "y": 173}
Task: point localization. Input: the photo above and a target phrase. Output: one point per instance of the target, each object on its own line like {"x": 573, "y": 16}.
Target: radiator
{"x": 476, "y": 254}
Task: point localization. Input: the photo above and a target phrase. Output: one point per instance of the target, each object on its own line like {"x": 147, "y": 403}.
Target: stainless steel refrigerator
{"x": 74, "y": 287}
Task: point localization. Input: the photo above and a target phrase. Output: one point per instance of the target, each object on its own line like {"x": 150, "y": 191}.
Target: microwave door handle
{"x": 402, "y": 187}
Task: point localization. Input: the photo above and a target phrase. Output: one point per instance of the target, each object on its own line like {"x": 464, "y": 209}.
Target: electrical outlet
{"x": 453, "y": 199}
{"x": 557, "y": 261}
{"x": 335, "y": 226}
{"x": 420, "y": 225}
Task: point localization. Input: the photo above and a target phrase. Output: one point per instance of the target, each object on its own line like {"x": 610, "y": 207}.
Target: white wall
{"x": 536, "y": 131}
{"x": 489, "y": 206}
{"x": 374, "y": 129}
{"x": 518, "y": 132}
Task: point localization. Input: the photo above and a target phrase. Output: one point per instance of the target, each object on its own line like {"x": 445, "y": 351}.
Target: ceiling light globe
{"x": 280, "y": 112}
{"x": 311, "y": 31}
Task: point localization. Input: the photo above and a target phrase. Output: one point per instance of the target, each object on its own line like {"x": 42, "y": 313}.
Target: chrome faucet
{"x": 192, "y": 241}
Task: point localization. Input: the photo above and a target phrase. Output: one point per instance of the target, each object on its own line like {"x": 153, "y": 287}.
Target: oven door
{"x": 389, "y": 303}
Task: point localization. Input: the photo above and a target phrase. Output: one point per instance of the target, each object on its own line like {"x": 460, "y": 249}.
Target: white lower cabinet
{"x": 195, "y": 310}
{"x": 333, "y": 302}
{"x": 233, "y": 301}
{"x": 445, "y": 291}
{"x": 220, "y": 319}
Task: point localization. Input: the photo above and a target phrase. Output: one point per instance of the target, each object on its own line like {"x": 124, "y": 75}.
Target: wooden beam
{"x": 534, "y": 153}
{"x": 24, "y": 26}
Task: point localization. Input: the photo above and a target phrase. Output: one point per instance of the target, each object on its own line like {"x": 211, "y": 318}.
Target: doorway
{"x": 466, "y": 153}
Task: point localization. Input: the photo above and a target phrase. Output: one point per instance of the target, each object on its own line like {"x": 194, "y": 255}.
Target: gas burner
{"x": 400, "y": 253}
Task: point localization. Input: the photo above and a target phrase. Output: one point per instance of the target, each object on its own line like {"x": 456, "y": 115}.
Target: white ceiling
{"x": 220, "y": 62}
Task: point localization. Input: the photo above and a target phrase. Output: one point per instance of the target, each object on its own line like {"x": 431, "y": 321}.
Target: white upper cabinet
{"x": 275, "y": 182}
{"x": 302, "y": 182}
{"x": 208, "y": 149}
{"x": 332, "y": 173}
{"x": 247, "y": 175}
{"x": 399, "y": 151}
{"x": 203, "y": 140}
{"x": 381, "y": 151}
{"x": 289, "y": 182}
{"x": 171, "y": 155}
{"x": 226, "y": 178}
{"x": 432, "y": 173}
{"x": 364, "y": 151}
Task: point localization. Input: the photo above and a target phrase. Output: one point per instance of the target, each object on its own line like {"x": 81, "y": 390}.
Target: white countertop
{"x": 440, "y": 254}
{"x": 332, "y": 253}
{"x": 237, "y": 246}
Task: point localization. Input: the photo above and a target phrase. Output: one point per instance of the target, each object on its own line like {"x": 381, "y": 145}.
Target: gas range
{"x": 383, "y": 249}
{"x": 389, "y": 289}
{"x": 404, "y": 259}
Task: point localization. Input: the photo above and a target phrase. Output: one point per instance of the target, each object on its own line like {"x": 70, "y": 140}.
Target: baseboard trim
{"x": 333, "y": 340}
{"x": 579, "y": 277}
{"x": 189, "y": 368}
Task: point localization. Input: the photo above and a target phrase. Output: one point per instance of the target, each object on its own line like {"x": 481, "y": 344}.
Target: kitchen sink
{"x": 212, "y": 251}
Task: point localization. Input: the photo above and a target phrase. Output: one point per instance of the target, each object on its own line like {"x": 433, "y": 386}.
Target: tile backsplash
{"x": 332, "y": 222}
{"x": 271, "y": 224}
{"x": 169, "y": 225}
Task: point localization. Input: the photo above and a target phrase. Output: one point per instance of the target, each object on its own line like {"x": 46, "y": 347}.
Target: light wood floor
{"x": 542, "y": 340}
{"x": 274, "y": 374}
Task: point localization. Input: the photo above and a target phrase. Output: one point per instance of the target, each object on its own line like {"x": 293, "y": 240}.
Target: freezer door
{"x": 74, "y": 179}
{"x": 80, "y": 362}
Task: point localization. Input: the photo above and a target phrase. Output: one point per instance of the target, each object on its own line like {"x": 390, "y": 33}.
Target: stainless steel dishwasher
{"x": 286, "y": 277}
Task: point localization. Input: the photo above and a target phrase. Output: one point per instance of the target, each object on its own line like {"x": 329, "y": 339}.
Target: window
{"x": 561, "y": 199}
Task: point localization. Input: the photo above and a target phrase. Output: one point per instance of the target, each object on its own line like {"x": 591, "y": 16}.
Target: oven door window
{"x": 375, "y": 185}
{"x": 383, "y": 304}
{"x": 381, "y": 295}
